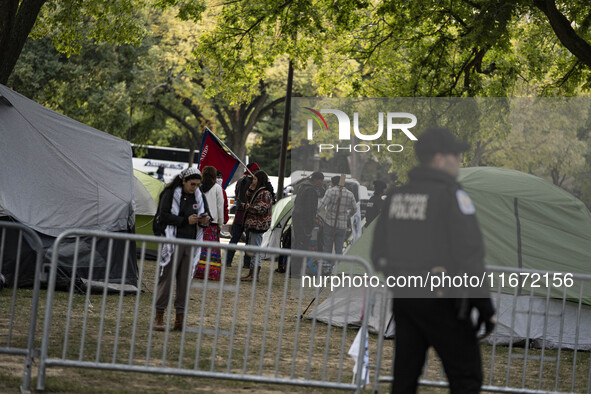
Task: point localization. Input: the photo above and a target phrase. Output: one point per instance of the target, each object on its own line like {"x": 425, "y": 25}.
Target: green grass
{"x": 197, "y": 353}
{"x": 63, "y": 379}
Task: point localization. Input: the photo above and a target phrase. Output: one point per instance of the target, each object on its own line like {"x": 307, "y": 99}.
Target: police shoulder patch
{"x": 465, "y": 202}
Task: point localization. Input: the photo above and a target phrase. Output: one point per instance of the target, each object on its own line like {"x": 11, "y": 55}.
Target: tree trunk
{"x": 16, "y": 22}
{"x": 238, "y": 122}
{"x": 192, "y": 147}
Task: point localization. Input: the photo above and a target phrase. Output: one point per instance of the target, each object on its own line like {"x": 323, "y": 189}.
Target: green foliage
{"x": 265, "y": 150}
{"x": 68, "y": 23}
{"x": 249, "y": 36}
{"x": 544, "y": 140}
{"x": 187, "y": 10}
{"x": 99, "y": 86}
{"x": 209, "y": 62}
{"x": 396, "y": 48}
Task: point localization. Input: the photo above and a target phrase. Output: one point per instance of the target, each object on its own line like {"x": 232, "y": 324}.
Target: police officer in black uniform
{"x": 375, "y": 203}
{"x": 428, "y": 226}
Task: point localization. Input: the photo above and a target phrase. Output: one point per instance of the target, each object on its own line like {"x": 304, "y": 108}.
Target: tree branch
{"x": 220, "y": 116}
{"x": 187, "y": 103}
{"x": 564, "y": 31}
{"x": 260, "y": 20}
{"x": 272, "y": 104}
{"x": 254, "y": 115}
{"x": 568, "y": 74}
{"x": 176, "y": 117}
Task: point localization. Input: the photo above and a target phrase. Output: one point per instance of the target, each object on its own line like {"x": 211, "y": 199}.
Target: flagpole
{"x": 229, "y": 150}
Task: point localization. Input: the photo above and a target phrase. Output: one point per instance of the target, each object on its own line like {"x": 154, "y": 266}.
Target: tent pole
{"x": 518, "y": 227}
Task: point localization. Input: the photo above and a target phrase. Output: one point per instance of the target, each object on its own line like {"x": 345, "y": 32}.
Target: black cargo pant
{"x": 421, "y": 323}
{"x": 237, "y": 230}
{"x": 300, "y": 240}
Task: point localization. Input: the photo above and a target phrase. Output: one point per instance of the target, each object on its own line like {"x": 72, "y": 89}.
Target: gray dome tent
{"x": 59, "y": 174}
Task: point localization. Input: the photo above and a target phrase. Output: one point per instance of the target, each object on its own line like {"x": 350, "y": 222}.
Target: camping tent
{"x": 344, "y": 306}
{"x": 280, "y": 220}
{"x": 147, "y": 191}
{"x": 59, "y": 174}
{"x": 526, "y": 222}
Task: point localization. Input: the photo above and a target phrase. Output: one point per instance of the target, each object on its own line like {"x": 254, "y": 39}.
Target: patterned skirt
{"x": 211, "y": 234}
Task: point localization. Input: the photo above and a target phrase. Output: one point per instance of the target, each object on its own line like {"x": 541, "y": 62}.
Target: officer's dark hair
{"x": 425, "y": 158}
{"x": 335, "y": 180}
{"x": 379, "y": 185}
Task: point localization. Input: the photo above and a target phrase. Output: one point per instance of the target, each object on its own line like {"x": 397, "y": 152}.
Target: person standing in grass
{"x": 340, "y": 205}
{"x": 429, "y": 227}
{"x": 303, "y": 218}
{"x": 183, "y": 212}
{"x": 214, "y": 198}
{"x": 258, "y": 218}
{"x": 242, "y": 186}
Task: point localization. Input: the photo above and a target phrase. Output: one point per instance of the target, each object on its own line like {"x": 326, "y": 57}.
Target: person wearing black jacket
{"x": 303, "y": 216}
{"x": 429, "y": 227}
{"x": 241, "y": 200}
{"x": 183, "y": 212}
{"x": 376, "y": 202}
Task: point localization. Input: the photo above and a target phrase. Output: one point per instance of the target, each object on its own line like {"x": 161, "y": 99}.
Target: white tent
{"x": 344, "y": 307}
{"x": 535, "y": 319}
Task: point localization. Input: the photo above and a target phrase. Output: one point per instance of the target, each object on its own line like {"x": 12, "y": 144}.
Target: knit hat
{"x": 188, "y": 172}
{"x": 253, "y": 167}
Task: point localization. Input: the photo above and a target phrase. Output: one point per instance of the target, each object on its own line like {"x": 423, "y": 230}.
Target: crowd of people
{"x": 328, "y": 211}
{"x": 194, "y": 206}
{"x": 432, "y": 204}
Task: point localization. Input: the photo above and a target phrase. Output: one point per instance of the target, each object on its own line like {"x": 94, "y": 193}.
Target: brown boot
{"x": 178, "y": 322}
{"x": 248, "y": 278}
{"x": 159, "y": 321}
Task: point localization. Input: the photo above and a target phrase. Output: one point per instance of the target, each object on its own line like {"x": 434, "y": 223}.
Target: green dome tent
{"x": 526, "y": 222}
{"x": 280, "y": 221}
{"x": 147, "y": 191}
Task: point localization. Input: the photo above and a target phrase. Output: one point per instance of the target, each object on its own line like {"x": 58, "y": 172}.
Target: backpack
{"x": 285, "y": 243}
{"x": 157, "y": 226}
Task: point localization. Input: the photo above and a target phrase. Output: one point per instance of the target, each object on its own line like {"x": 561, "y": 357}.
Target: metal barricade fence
{"x": 21, "y": 253}
{"x": 541, "y": 343}
{"x": 232, "y": 329}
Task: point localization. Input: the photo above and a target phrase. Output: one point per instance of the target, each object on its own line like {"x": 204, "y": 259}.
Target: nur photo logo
{"x": 394, "y": 122}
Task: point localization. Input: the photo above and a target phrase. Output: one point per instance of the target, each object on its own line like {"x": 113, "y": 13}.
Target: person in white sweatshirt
{"x": 214, "y": 197}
